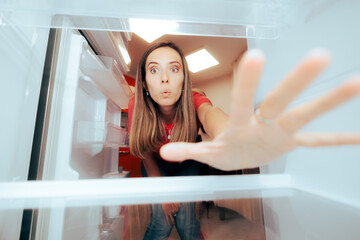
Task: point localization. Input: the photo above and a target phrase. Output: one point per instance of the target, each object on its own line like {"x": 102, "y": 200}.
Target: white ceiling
{"x": 225, "y": 50}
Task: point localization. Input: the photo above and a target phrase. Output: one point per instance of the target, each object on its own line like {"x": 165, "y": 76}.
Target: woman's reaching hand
{"x": 252, "y": 139}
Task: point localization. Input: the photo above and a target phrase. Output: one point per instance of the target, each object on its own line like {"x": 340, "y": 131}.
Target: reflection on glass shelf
{"x": 293, "y": 215}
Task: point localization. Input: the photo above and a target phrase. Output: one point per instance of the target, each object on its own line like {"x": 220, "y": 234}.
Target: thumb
{"x": 167, "y": 220}
{"x": 177, "y": 152}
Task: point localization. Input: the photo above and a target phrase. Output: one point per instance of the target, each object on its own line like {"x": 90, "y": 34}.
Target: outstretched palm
{"x": 251, "y": 140}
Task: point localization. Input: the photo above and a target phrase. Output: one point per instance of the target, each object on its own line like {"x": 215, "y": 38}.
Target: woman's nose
{"x": 164, "y": 78}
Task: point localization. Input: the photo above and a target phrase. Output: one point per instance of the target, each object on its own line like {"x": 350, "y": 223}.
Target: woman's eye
{"x": 154, "y": 70}
{"x": 175, "y": 69}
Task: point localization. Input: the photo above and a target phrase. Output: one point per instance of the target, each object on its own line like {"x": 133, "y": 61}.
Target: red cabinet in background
{"x": 129, "y": 162}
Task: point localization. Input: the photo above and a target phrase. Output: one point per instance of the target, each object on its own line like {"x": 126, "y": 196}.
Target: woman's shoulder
{"x": 198, "y": 92}
{"x": 199, "y": 98}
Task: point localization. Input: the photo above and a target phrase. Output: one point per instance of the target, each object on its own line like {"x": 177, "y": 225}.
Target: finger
{"x": 177, "y": 152}
{"x": 167, "y": 220}
{"x": 294, "y": 83}
{"x": 327, "y": 139}
{"x": 247, "y": 75}
{"x": 298, "y": 117}
{"x": 172, "y": 219}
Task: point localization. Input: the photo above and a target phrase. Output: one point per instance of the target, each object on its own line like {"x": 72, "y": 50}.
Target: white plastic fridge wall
{"x": 21, "y": 67}
{"x": 332, "y": 173}
{"x": 84, "y": 131}
{"x": 84, "y": 125}
{"x": 22, "y": 64}
{"x": 258, "y": 19}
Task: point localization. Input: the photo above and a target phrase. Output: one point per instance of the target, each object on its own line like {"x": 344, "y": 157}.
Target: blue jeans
{"x": 186, "y": 224}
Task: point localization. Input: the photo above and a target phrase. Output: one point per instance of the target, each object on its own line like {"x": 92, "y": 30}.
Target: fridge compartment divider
{"x": 107, "y": 77}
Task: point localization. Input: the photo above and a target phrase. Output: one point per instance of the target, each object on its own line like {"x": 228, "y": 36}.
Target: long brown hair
{"x": 147, "y": 130}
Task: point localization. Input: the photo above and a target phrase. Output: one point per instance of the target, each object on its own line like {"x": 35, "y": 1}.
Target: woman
{"x": 165, "y": 104}
{"x": 166, "y": 110}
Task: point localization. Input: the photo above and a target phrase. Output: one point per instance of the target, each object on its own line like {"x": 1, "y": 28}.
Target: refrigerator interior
{"x": 84, "y": 124}
{"x": 232, "y": 208}
{"x": 307, "y": 194}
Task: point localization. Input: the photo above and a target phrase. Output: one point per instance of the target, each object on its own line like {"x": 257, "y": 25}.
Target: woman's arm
{"x": 251, "y": 139}
{"x": 213, "y": 119}
{"x": 151, "y": 166}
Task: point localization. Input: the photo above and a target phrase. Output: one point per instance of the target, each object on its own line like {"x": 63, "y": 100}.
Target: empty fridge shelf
{"x": 106, "y": 133}
{"x": 107, "y": 77}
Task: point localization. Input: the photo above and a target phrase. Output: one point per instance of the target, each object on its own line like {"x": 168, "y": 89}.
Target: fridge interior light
{"x": 200, "y": 60}
{"x": 149, "y": 29}
{"x": 125, "y": 54}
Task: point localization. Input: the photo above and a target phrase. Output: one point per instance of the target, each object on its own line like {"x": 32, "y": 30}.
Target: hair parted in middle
{"x": 147, "y": 130}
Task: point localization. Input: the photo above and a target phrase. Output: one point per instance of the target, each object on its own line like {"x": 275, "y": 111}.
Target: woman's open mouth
{"x": 165, "y": 94}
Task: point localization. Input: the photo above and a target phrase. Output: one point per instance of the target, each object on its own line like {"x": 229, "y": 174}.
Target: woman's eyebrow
{"x": 172, "y": 62}
{"x": 175, "y": 62}
{"x": 152, "y": 63}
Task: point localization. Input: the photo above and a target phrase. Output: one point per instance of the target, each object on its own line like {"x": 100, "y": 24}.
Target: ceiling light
{"x": 149, "y": 29}
{"x": 200, "y": 60}
{"x": 125, "y": 54}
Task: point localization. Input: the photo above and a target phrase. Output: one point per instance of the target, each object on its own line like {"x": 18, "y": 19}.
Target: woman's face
{"x": 164, "y": 76}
